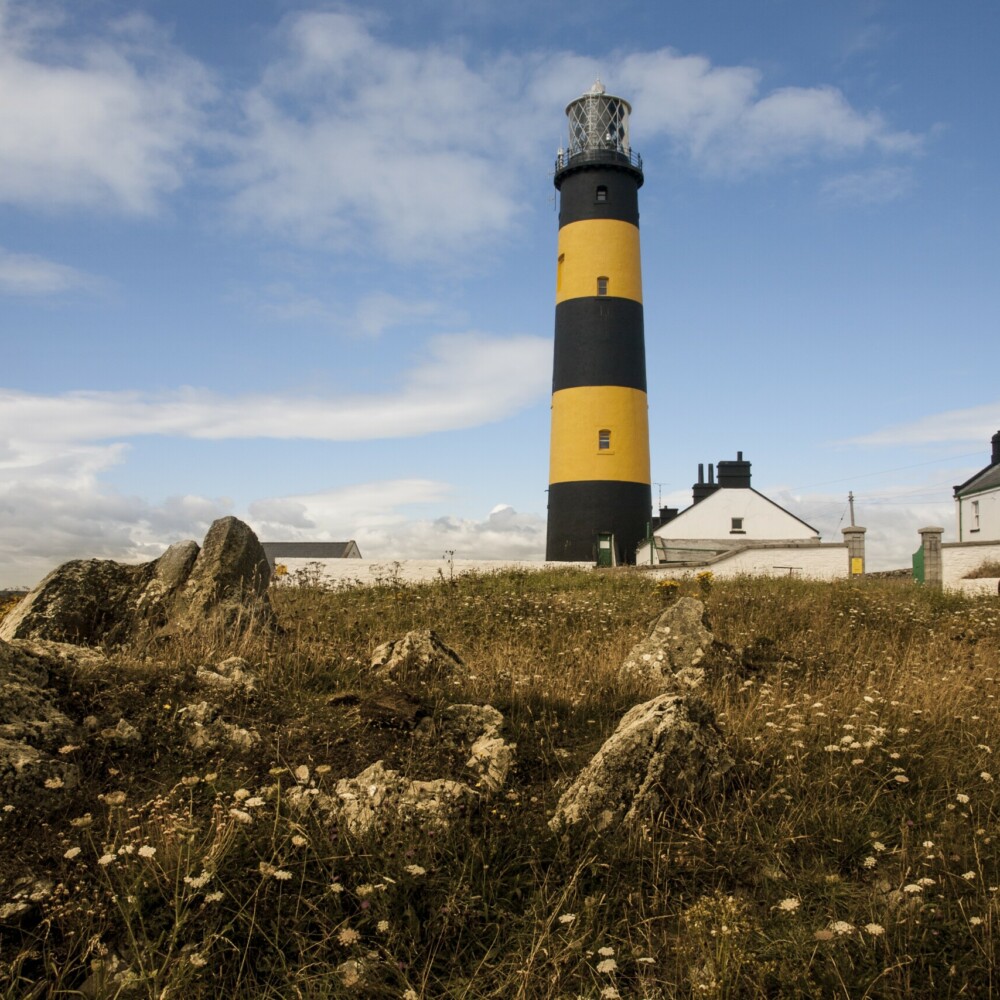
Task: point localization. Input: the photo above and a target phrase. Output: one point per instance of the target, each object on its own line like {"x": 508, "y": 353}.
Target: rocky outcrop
{"x": 665, "y": 752}
{"x": 419, "y": 659}
{"x": 97, "y": 602}
{"x": 670, "y": 657}
{"x": 491, "y": 757}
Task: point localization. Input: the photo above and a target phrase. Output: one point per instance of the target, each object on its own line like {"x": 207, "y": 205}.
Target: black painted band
{"x": 578, "y": 511}
{"x": 579, "y": 196}
{"x": 599, "y": 341}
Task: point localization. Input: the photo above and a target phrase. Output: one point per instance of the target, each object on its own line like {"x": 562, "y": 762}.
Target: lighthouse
{"x": 599, "y": 484}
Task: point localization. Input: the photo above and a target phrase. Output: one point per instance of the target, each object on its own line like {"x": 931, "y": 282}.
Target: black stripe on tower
{"x": 599, "y": 341}
{"x": 578, "y": 193}
{"x": 577, "y": 511}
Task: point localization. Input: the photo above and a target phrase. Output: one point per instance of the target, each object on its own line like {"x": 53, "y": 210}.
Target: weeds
{"x": 854, "y": 852}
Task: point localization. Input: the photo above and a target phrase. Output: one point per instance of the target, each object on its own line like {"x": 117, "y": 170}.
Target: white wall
{"x": 989, "y": 518}
{"x": 371, "y": 571}
{"x": 959, "y": 560}
{"x": 712, "y": 517}
{"x": 811, "y": 562}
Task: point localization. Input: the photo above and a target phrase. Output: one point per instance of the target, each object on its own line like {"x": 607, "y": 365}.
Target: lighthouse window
{"x": 602, "y": 286}
{"x": 604, "y": 440}
{"x": 602, "y": 193}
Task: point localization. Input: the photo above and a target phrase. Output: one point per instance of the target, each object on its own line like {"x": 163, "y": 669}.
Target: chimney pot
{"x": 996, "y": 448}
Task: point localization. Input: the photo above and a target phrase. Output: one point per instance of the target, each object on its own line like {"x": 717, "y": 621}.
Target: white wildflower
{"x": 607, "y": 965}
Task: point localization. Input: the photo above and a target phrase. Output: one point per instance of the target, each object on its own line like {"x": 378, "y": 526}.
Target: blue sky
{"x": 296, "y": 262}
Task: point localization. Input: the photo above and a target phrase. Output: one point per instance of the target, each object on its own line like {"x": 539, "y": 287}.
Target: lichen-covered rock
{"x": 670, "y": 657}
{"x": 491, "y": 757}
{"x": 665, "y": 752}
{"x": 419, "y": 658}
{"x": 98, "y": 602}
{"x": 227, "y": 582}
{"x": 207, "y": 731}
{"x": 379, "y": 797}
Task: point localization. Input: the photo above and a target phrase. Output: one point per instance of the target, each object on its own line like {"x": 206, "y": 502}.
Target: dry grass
{"x": 854, "y": 853}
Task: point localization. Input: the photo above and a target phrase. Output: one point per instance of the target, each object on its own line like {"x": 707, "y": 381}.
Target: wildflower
{"x": 869, "y": 862}
{"x": 113, "y": 798}
{"x": 857, "y": 761}
{"x": 610, "y": 993}
{"x": 8, "y": 808}
{"x": 348, "y": 936}
{"x": 71, "y": 853}
{"x": 975, "y": 921}
{"x": 877, "y": 845}
{"x": 986, "y": 776}
{"x": 382, "y": 926}
{"x": 416, "y": 870}
{"x": 831, "y": 748}
{"x": 789, "y": 905}
{"x": 336, "y": 887}
{"x": 969, "y": 876}
{"x": 299, "y": 841}
{"x": 646, "y": 960}
{"x": 607, "y": 965}
{"x": 213, "y": 897}
{"x": 240, "y": 794}
{"x": 254, "y": 802}
{"x": 105, "y": 859}
{"x": 875, "y": 929}
{"x": 197, "y": 959}
{"x": 54, "y": 783}
{"x": 912, "y": 888}
{"x": 901, "y": 778}
{"x": 841, "y": 927}
{"x": 69, "y": 748}
{"x": 301, "y": 774}
{"x": 409, "y": 995}
{"x": 928, "y": 844}
{"x": 240, "y": 816}
{"x": 191, "y": 781}
{"x": 146, "y": 851}
{"x": 81, "y": 821}
{"x": 281, "y": 875}
{"x": 962, "y": 797}
{"x": 197, "y": 882}
{"x": 926, "y": 881}
{"x": 567, "y": 918}
{"x": 605, "y": 952}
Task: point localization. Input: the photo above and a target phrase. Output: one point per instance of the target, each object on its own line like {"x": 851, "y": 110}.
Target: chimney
{"x": 701, "y": 489}
{"x": 734, "y": 475}
{"x": 996, "y": 448}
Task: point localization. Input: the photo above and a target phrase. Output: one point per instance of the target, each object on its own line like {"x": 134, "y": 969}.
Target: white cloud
{"x": 27, "y": 274}
{"x": 719, "y": 116}
{"x": 106, "y": 122}
{"x": 870, "y": 187}
{"x": 468, "y": 380}
{"x": 972, "y": 424}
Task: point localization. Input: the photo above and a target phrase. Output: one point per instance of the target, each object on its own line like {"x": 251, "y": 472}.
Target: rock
{"x": 490, "y": 756}
{"x": 380, "y": 797}
{"x": 491, "y": 759}
{"x": 470, "y": 721}
{"x": 665, "y": 752}
{"x": 392, "y": 710}
{"x": 206, "y": 731}
{"x": 419, "y": 658}
{"x": 122, "y": 732}
{"x": 98, "y": 602}
{"x": 227, "y": 583}
{"x": 23, "y": 905}
{"x": 670, "y": 657}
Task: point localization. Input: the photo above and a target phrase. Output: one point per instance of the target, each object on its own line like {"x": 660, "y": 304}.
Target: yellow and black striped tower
{"x": 599, "y": 486}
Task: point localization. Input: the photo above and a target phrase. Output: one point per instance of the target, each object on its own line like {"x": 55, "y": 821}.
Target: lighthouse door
{"x": 605, "y": 549}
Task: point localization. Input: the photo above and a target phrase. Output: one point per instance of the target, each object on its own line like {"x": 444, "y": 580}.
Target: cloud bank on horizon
{"x": 351, "y": 145}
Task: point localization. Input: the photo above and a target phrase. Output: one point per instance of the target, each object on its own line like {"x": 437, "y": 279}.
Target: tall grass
{"x": 852, "y": 854}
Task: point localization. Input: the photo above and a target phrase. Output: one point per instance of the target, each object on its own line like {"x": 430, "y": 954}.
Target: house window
{"x": 602, "y": 194}
{"x": 602, "y": 286}
{"x": 975, "y": 515}
{"x": 737, "y": 526}
{"x": 604, "y": 440}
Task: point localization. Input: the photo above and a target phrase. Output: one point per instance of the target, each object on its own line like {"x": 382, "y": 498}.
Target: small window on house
{"x": 737, "y": 526}
{"x": 602, "y": 286}
{"x": 602, "y": 193}
{"x": 975, "y": 515}
{"x": 604, "y": 440}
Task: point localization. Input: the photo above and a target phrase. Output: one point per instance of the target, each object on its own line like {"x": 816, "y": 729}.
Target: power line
{"x": 883, "y": 472}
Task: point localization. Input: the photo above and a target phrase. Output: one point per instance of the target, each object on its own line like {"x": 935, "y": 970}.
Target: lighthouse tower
{"x": 599, "y": 492}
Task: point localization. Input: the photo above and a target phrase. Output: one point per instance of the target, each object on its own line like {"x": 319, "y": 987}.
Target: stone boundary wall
{"x": 961, "y": 558}
{"x": 827, "y": 561}
{"x": 369, "y": 572}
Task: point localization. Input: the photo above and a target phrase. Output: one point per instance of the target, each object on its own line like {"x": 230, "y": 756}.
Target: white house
{"x": 730, "y": 522}
{"x": 977, "y": 502}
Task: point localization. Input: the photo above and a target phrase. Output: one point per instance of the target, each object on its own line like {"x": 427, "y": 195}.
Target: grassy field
{"x": 855, "y": 851}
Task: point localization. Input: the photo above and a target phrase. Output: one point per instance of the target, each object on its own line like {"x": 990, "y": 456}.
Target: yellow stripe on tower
{"x": 593, "y": 248}
{"x": 578, "y": 417}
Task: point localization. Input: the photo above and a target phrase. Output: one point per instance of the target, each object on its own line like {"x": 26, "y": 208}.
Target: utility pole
{"x": 850, "y": 500}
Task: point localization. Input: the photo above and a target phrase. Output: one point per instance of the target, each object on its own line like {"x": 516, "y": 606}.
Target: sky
{"x": 296, "y": 262}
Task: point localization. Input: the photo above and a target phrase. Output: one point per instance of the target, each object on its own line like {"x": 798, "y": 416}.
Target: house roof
{"x": 311, "y": 550}
{"x": 985, "y": 479}
{"x": 749, "y": 489}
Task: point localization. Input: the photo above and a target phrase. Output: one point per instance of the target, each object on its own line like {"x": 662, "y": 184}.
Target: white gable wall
{"x": 988, "y": 527}
{"x": 711, "y": 519}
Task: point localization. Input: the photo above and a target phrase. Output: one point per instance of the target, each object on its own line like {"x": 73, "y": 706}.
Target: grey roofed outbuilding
{"x": 984, "y": 479}
{"x": 310, "y": 550}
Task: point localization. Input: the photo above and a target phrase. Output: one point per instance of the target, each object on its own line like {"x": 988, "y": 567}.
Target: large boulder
{"x": 670, "y": 657}
{"x": 98, "y": 602}
{"x": 665, "y": 753}
{"x": 227, "y": 583}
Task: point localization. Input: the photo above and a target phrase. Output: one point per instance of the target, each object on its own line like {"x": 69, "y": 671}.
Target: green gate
{"x": 918, "y": 565}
